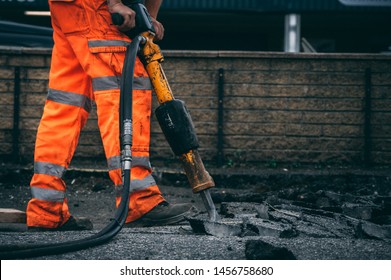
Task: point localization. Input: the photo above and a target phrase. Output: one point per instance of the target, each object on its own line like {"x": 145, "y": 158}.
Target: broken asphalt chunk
{"x": 373, "y": 231}
{"x": 364, "y": 212}
{"x": 244, "y": 209}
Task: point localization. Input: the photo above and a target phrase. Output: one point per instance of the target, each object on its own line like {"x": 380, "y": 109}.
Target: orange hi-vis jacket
{"x": 86, "y": 67}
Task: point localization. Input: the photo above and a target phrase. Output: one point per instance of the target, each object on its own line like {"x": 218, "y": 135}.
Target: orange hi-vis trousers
{"x": 86, "y": 67}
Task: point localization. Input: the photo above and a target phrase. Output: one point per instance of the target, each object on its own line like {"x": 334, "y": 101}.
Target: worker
{"x": 86, "y": 66}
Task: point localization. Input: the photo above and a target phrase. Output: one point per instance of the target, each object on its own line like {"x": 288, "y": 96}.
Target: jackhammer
{"x": 177, "y": 127}
{"x": 172, "y": 114}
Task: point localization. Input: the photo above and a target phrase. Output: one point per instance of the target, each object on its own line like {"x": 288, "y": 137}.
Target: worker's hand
{"x": 159, "y": 29}
{"x": 129, "y": 16}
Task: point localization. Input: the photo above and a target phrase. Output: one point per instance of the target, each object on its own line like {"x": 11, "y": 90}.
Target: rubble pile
{"x": 297, "y": 211}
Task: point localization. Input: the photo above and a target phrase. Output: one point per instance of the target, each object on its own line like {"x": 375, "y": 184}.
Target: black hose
{"x": 23, "y": 251}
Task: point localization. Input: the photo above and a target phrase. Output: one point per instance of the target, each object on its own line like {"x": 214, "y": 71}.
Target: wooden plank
{"x": 8, "y": 215}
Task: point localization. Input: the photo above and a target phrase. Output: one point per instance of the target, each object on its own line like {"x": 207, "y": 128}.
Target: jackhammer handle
{"x": 117, "y": 19}
{"x": 143, "y": 20}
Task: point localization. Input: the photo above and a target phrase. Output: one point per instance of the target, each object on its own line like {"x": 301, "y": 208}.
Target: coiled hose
{"x": 22, "y": 251}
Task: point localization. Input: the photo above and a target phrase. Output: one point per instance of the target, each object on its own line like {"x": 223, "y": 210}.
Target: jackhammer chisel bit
{"x": 209, "y": 205}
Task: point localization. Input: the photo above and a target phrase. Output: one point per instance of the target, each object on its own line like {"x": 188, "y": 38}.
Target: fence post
{"x": 220, "y": 119}
{"x": 15, "y": 130}
{"x": 367, "y": 118}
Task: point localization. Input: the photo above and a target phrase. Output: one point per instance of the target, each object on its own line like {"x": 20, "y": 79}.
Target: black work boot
{"x": 73, "y": 223}
{"x": 162, "y": 215}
